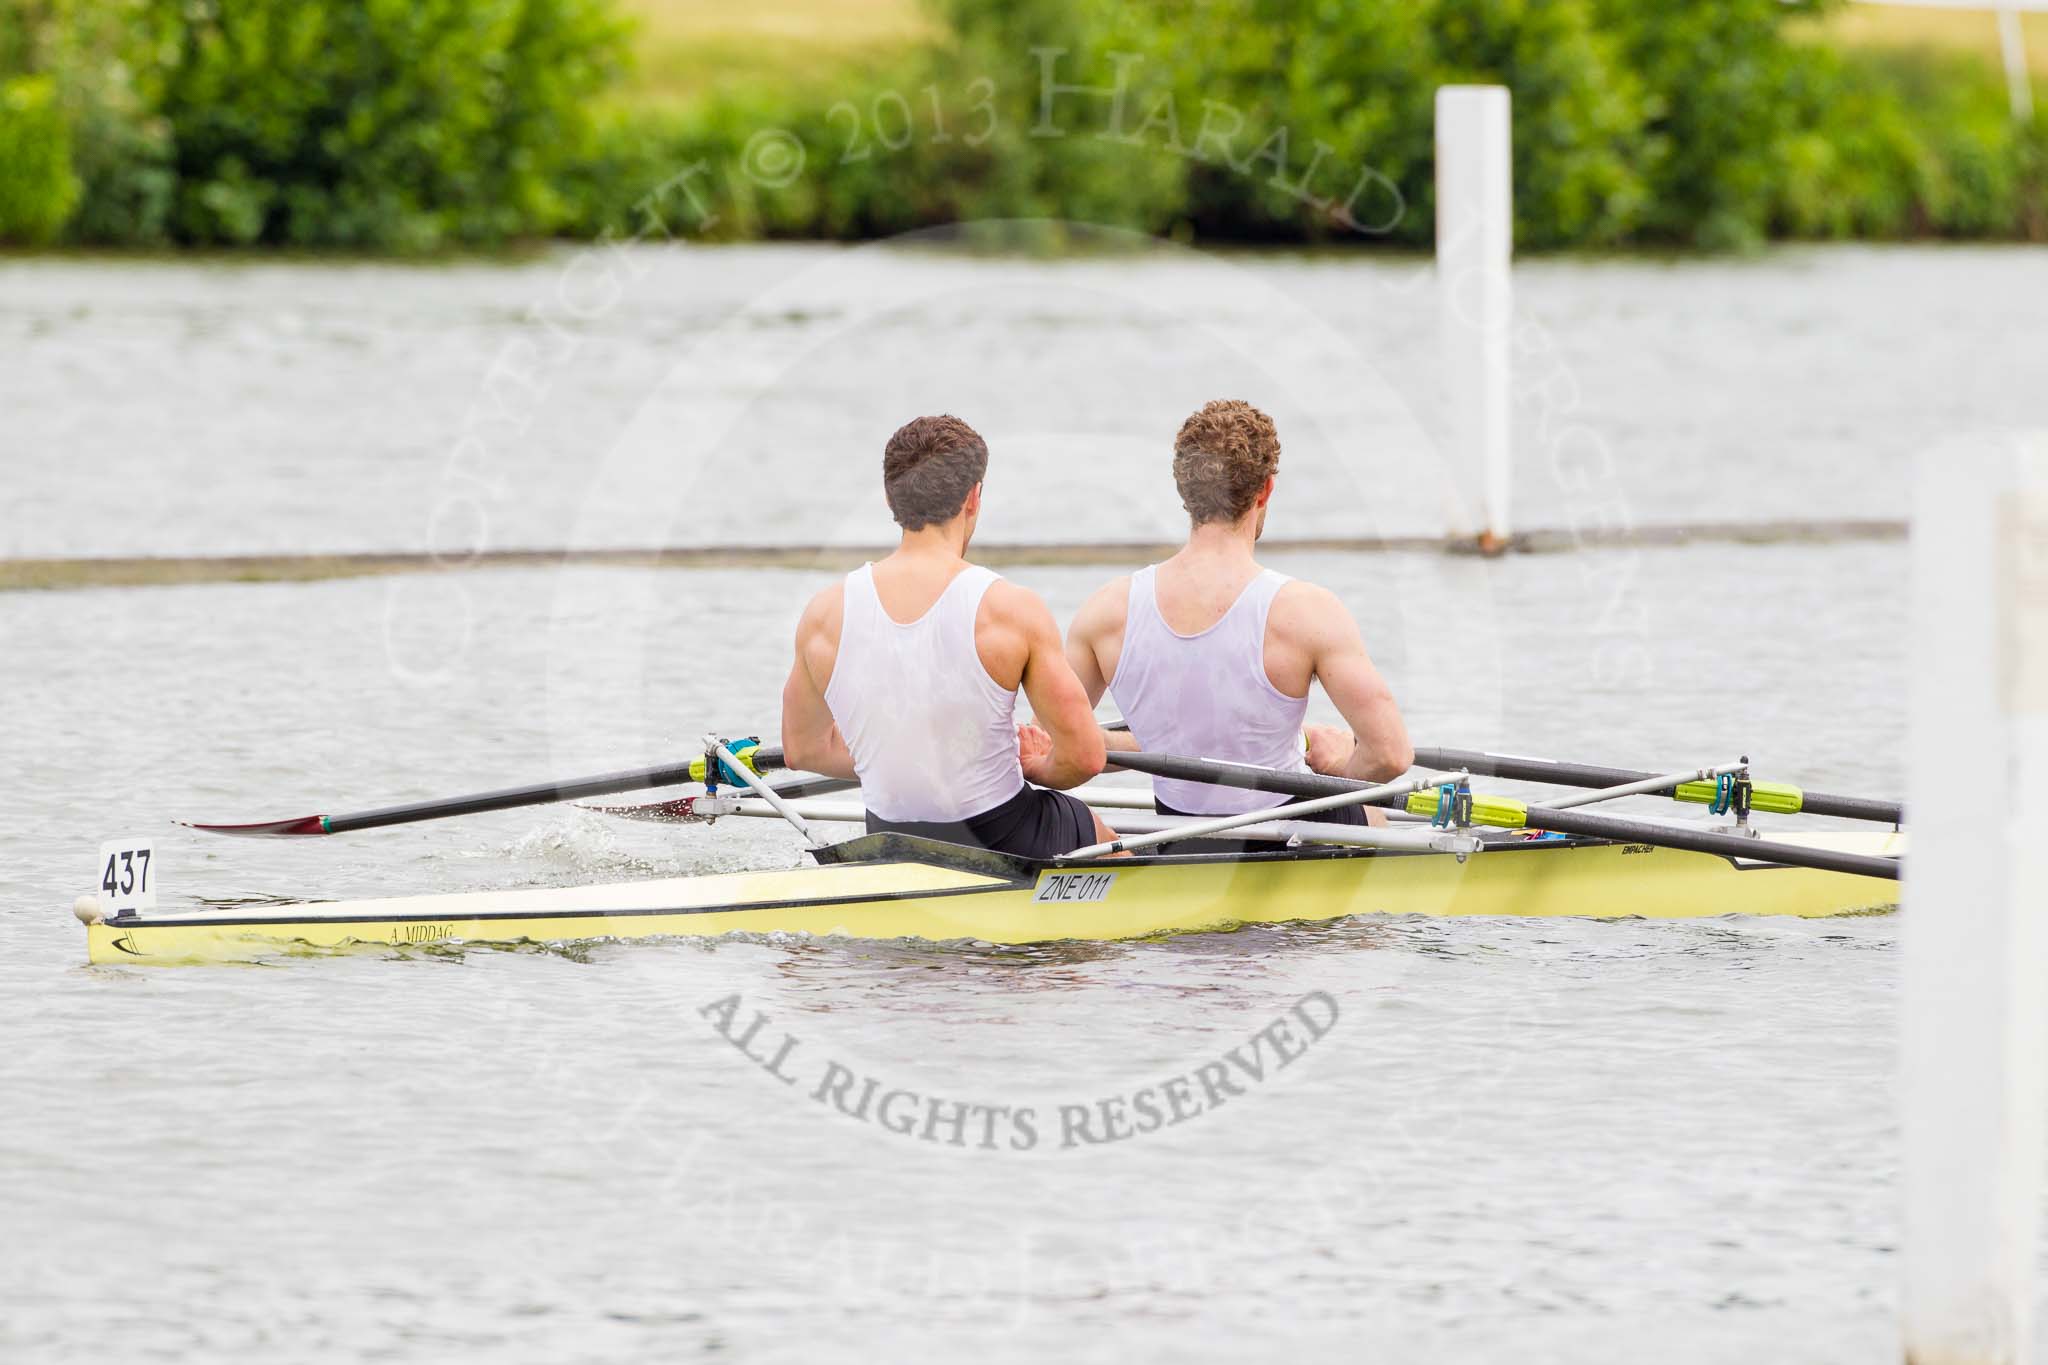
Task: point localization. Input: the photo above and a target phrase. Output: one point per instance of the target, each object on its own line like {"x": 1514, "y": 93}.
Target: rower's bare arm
{"x": 1094, "y": 642}
{"x": 1059, "y": 702}
{"x": 1098, "y": 628}
{"x": 1382, "y": 751}
{"x": 810, "y": 740}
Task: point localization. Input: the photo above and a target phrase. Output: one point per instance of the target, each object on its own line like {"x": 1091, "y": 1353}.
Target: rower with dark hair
{"x": 907, "y": 673}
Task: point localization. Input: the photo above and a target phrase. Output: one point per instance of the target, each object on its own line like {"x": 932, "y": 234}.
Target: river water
{"x": 1555, "y": 1140}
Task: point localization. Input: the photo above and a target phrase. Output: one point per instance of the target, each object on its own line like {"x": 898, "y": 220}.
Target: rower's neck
{"x": 946, "y": 541}
{"x": 1223, "y": 542}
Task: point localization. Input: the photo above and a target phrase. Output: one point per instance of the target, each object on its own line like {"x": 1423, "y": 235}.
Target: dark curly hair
{"x": 929, "y": 467}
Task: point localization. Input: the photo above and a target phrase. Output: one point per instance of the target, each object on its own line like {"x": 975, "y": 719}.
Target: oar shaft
{"x": 1245, "y": 776}
{"x": 1515, "y": 768}
{"x": 1218, "y": 824}
{"x": 1661, "y": 784}
{"x": 539, "y": 794}
{"x": 1747, "y": 847}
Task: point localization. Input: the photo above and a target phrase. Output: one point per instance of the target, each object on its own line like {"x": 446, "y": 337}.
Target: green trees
{"x": 38, "y": 185}
{"x": 391, "y": 124}
{"x": 1698, "y": 123}
{"x": 417, "y": 124}
{"x": 1709, "y": 123}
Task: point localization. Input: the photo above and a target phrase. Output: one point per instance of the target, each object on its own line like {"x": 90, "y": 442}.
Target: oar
{"x": 1778, "y": 798}
{"x": 511, "y": 798}
{"x": 1196, "y": 829}
{"x": 1494, "y": 810}
{"x": 683, "y": 810}
{"x": 737, "y": 766}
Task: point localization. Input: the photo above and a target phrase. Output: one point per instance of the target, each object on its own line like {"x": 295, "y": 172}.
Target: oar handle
{"x": 1244, "y": 775}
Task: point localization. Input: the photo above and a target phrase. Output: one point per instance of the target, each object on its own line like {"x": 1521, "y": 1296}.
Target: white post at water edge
{"x": 1975, "y": 1046}
{"x": 1475, "y": 217}
{"x": 2019, "y": 82}
{"x": 2012, "y": 42}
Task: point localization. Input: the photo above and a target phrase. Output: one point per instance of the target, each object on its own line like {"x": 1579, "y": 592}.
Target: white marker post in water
{"x": 1475, "y": 233}
{"x": 1975, "y": 1055}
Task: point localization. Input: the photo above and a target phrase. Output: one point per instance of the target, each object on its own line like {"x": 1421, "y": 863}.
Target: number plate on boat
{"x": 127, "y": 880}
{"x": 1074, "y": 886}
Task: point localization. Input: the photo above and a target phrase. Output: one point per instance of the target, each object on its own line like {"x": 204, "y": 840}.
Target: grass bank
{"x": 1966, "y": 33}
{"x": 687, "y": 51}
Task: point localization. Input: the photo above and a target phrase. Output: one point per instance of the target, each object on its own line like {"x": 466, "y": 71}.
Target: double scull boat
{"x": 1453, "y": 852}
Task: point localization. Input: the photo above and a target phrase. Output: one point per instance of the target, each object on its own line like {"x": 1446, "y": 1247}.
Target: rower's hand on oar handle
{"x": 1034, "y": 752}
{"x": 1329, "y": 748}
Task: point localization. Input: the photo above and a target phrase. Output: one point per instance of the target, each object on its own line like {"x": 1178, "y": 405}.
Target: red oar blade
{"x": 266, "y": 829}
{"x": 681, "y": 811}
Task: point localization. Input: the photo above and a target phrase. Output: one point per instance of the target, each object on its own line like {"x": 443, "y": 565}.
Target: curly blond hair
{"x": 1222, "y": 458}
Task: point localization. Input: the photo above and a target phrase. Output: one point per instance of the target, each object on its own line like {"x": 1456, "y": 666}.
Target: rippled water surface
{"x": 712, "y": 396}
{"x": 1559, "y": 1140}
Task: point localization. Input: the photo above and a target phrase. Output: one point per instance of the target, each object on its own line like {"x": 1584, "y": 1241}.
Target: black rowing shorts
{"x": 1035, "y": 823}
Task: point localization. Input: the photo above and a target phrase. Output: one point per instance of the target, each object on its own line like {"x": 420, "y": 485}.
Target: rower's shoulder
{"x": 1007, "y": 601}
{"x": 825, "y": 611}
{"x": 1011, "y": 608}
{"x": 1107, "y": 606}
{"x": 1308, "y": 609}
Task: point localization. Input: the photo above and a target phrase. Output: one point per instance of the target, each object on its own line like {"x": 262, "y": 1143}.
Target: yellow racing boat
{"x": 888, "y": 886}
{"x": 1459, "y": 853}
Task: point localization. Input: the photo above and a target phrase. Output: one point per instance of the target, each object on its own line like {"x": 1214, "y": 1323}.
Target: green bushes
{"x": 387, "y": 124}
{"x": 98, "y": 57}
{"x": 404, "y": 124}
{"x": 1706, "y": 123}
{"x": 38, "y": 187}
{"x": 417, "y": 124}
{"x": 1897, "y": 145}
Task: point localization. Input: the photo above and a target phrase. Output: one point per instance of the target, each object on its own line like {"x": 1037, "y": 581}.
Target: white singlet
{"x": 1207, "y": 695}
{"x": 933, "y": 736}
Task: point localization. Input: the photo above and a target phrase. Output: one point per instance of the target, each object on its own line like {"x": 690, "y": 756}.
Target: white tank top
{"x": 1207, "y": 695}
{"x": 933, "y": 736}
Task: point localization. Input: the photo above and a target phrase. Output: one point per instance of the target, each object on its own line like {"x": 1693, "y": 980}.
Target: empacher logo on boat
{"x": 970, "y": 1125}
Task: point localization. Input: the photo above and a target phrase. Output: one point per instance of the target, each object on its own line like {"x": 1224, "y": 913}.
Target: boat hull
{"x": 890, "y": 887}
